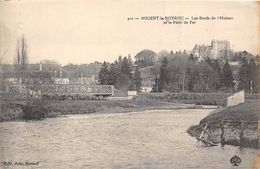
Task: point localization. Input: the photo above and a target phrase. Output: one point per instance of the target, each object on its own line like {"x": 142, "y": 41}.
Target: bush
{"x": 34, "y": 110}
{"x": 10, "y": 111}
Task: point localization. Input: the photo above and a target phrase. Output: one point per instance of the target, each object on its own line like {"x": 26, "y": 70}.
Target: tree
{"x": 195, "y": 78}
{"x": 104, "y": 74}
{"x": 205, "y": 74}
{"x": 176, "y": 72}
{"x": 123, "y": 82}
{"x": 189, "y": 79}
{"x": 120, "y": 59}
{"x": 218, "y": 74}
{"x": 115, "y": 72}
{"x": 130, "y": 60}
{"x": 137, "y": 80}
{"x": 125, "y": 67}
{"x": 163, "y": 53}
{"x": 217, "y": 68}
{"x": 243, "y": 76}
{"x": 163, "y": 75}
{"x": 253, "y": 75}
{"x": 191, "y": 59}
{"x": 156, "y": 85}
{"x": 208, "y": 61}
{"x": 191, "y": 75}
{"x": 227, "y": 76}
{"x": 126, "y": 70}
{"x": 256, "y": 86}
{"x": 21, "y": 58}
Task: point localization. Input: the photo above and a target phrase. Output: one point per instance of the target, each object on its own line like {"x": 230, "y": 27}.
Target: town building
{"x": 220, "y": 48}
{"x": 217, "y": 50}
{"x": 147, "y": 86}
{"x": 60, "y": 80}
{"x": 83, "y": 80}
{"x": 201, "y": 52}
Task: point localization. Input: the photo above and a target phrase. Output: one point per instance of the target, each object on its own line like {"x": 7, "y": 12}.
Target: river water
{"x": 151, "y": 140}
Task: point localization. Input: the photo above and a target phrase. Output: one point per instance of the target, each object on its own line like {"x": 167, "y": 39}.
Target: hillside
{"x": 149, "y": 72}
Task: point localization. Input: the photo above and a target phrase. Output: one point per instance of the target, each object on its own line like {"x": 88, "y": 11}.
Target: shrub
{"x": 34, "y": 109}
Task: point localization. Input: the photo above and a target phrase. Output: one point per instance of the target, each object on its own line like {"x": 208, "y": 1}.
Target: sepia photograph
{"x": 129, "y": 84}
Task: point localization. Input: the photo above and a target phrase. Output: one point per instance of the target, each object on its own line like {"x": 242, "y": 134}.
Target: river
{"x": 150, "y": 139}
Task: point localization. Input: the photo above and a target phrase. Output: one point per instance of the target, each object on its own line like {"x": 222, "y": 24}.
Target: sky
{"x": 84, "y": 31}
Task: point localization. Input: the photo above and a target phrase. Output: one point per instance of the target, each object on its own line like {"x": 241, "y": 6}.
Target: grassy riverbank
{"x": 11, "y": 111}
{"x": 234, "y": 115}
{"x": 249, "y": 111}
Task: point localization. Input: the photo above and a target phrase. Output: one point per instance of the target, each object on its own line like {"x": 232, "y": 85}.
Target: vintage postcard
{"x": 129, "y": 84}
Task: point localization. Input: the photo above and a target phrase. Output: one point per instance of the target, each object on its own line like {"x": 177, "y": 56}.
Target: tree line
{"x": 121, "y": 74}
{"x": 180, "y": 72}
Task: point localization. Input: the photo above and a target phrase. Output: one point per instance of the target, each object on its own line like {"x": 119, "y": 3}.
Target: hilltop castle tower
{"x": 217, "y": 50}
{"x": 220, "y": 48}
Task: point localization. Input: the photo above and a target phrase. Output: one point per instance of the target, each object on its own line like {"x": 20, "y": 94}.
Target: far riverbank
{"x": 16, "y": 111}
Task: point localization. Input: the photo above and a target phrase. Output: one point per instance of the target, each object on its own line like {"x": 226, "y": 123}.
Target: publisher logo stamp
{"x": 235, "y": 160}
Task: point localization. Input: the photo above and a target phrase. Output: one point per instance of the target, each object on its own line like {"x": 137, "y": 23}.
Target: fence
{"x": 191, "y": 98}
